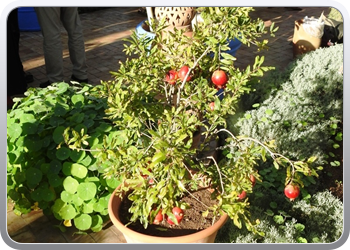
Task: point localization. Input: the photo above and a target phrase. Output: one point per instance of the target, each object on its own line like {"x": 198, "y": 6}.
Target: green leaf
{"x": 273, "y": 204}
{"x": 29, "y": 128}
{"x": 70, "y": 184}
{"x": 86, "y": 190}
{"x": 301, "y": 240}
{"x": 278, "y": 219}
{"x": 83, "y": 222}
{"x": 269, "y": 111}
{"x": 78, "y": 170}
{"x": 58, "y": 134}
{"x": 67, "y": 212}
{"x": 77, "y": 201}
{"x": 158, "y": 157}
{"x": 54, "y": 180}
{"x": 300, "y": 227}
{"x": 76, "y": 155}
{"x": 88, "y": 208}
{"x": 63, "y": 153}
{"x": 113, "y": 182}
{"x": 78, "y": 100}
{"x": 97, "y": 222}
{"x": 33, "y": 176}
{"x": 66, "y": 197}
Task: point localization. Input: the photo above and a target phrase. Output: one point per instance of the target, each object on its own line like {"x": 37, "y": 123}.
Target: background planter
{"x": 205, "y": 236}
{"x": 27, "y": 19}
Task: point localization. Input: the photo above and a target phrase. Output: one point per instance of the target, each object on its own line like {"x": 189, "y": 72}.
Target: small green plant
{"x": 317, "y": 220}
{"x": 42, "y": 172}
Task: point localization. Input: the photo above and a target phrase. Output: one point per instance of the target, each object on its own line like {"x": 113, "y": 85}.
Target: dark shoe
{"x": 28, "y": 77}
{"x": 293, "y": 8}
{"x": 9, "y": 102}
{"x": 45, "y": 84}
{"x": 73, "y": 78}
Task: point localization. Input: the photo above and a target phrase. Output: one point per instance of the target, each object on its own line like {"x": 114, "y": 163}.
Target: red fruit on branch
{"x": 183, "y": 72}
{"x": 212, "y": 106}
{"x": 242, "y": 195}
{"x": 171, "y": 77}
{"x": 219, "y": 78}
{"x": 252, "y": 179}
{"x": 159, "y": 217}
{"x": 291, "y": 191}
{"x": 178, "y": 213}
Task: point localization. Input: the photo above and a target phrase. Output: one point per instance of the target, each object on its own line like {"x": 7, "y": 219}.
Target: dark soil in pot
{"x": 192, "y": 222}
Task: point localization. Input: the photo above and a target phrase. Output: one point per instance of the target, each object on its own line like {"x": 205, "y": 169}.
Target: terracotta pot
{"x": 205, "y": 236}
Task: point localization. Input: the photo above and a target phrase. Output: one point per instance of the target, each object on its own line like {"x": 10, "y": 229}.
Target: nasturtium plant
{"x": 42, "y": 171}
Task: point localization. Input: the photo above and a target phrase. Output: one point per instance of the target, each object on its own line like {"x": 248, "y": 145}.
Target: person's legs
{"x": 49, "y": 20}
{"x": 16, "y": 83}
{"x": 71, "y": 22}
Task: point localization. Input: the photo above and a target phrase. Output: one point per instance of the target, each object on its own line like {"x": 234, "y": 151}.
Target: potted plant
{"x": 169, "y": 102}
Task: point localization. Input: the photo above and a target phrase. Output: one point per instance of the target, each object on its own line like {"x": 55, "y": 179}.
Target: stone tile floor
{"x": 103, "y": 31}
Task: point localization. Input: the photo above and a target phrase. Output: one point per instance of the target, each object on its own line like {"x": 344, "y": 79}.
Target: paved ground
{"x": 104, "y": 31}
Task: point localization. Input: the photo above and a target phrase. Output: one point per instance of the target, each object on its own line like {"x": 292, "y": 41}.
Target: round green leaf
{"x": 66, "y": 197}
{"x": 78, "y": 170}
{"x": 68, "y": 212}
{"x": 59, "y": 204}
{"x": 62, "y": 87}
{"x": 60, "y": 110}
{"x": 32, "y": 143}
{"x": 33, "y": 176}
{"x": 83, "y": 222}
{"x": 58, "y": 134}
{"x": 55, "y": 166}
{"x": 30, "y": 128}
{"x": 48, "y": 194}
{"x": 113, "y": 182}
{"x": 78, "y": 99}
{"x": 88, "y": 208}
{"x": 86, "y": 190}
{"x": 77, "y": 201}
{"x": 20, "y": 177}
{"x": 70, "y": 185}
{"x": 36, "y": 195}
{"x": 76, "y": 155}
{"x": 97, "y": 222}
{"x": 54, "y": 180}
{"x": 14, "y": 131}
{"x": 14, "y": 195}
{"x": 45, "y": 168}
{"x": 28, "y": 118}
{"x": 86, "y": 161}
{"x": 56, "y": 121}
{"x": 63, "y": 153}
{"x": 66, "y": 169}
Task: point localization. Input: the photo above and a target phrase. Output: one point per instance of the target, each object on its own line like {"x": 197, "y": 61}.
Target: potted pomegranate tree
{"x": 181, "y": 172}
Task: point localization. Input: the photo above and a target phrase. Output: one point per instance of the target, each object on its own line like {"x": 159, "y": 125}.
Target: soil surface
{"x": 192, "y": 222}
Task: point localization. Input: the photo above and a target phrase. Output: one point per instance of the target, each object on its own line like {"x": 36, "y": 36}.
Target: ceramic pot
{"x": 175, "y": 16}
{"x": 205, "y": 236}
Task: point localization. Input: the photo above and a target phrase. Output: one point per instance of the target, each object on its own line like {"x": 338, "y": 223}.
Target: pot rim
{"x": 114, "y": 216}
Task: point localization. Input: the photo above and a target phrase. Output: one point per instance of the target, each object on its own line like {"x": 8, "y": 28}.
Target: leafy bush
{"x": 319, "y": 220}
{"x": 301, "y": 108}
{"x": 42, "y": 172}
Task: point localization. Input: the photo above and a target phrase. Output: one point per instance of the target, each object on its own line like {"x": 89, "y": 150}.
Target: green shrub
{"x": 319, "y": 220}
{"x": 42, "y": 172}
